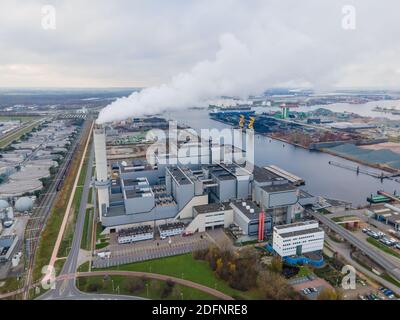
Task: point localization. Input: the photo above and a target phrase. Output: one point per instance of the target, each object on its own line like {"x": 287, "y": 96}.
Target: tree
{"x": 328, "y": 294}
{"x": 276, "y": 265}
{"x": 274, "y": 287}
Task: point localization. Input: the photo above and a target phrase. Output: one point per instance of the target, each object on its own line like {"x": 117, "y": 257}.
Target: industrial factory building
{"x": 194, "y": 195}
{"x": 298, "y": 238}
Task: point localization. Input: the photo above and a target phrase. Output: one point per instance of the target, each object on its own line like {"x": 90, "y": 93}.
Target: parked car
{"x": 306, "y": 291}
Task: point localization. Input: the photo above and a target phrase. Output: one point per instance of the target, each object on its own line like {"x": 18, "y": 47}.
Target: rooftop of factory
{"x": 249, "y": 208}
{"x": 221, "y": 173}
{"x": 279, "y": 188}
{"x": 300, "y": 232}
{"x": 136, "y": 182}
{"x": 115, "y": 211}
{"x": 391, "y": 213}
{"x": 212, "y": 207}
{"x": 263, "y": 175}
{"x": 179, "y": 176}
{"x": 135, "y": 231}
{"x": 171, "y": 226}
{"x": 138, "y": 193}
{"x": 297, "y": 224}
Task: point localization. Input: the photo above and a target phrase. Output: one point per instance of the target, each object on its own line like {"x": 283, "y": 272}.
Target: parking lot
{"x": 315, "y": 284}
{"x": 151, "y": 249}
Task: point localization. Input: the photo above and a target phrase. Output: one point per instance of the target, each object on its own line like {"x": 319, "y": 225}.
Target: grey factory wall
{"x": 139, "y": 205}
{"x": 243, "y": 189}
{"x": 227, "y": 190}
{"x": 183, "y": 193}
{"x": 279, "y": 199}
{"x": 240, "y": 220}
{"x": 157, "y": 213}
{"x": 152, "y": 176}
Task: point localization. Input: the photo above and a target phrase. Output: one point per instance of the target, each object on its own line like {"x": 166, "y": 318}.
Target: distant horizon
{"x": 333, "y": 89}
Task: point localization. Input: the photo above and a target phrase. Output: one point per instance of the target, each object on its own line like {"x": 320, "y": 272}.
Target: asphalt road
{"x": 67, "y": 288}
{"x": 392, "y": 268}
{"x": 39, "y": 218}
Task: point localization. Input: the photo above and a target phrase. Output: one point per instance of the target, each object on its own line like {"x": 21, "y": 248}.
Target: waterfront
{"x": 321, "y": 177}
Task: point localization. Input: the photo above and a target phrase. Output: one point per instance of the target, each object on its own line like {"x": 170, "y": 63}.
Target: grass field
{"x": 84, "y": 267}
{"x": 58, "y": 265}
{"x": 87, "y": 230}
{"x": 8, "y": 285}
{"x": 151, "y": 290}
{"x": 383, "y": 247}
{"x": 21, "y": 118}
{"x": 184, "y": 266}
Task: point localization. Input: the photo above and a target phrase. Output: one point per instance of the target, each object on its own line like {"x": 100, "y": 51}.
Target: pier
{"x": 358, "y": 169}
{"x": 297, "y": 181}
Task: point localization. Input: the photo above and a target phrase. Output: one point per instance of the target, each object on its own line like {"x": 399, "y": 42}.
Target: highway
{"x": 391, "y": 268}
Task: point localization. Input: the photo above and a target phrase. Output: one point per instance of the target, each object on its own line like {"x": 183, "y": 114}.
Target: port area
{"x": 347, "y": 135}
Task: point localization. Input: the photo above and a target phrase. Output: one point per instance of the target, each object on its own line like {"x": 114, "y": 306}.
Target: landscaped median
{"x": 186, "y": 267}
{"x": 143, "y": 286}
{"x": 383, "y": 247}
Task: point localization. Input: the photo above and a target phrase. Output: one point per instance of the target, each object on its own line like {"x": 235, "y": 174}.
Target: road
{"x": 67, "y": 288}
{"x": 39, "y": 217}
{"x": 392, "y": 268}
{"x": 344, "y": 252}
{"x": 155, "y": 276}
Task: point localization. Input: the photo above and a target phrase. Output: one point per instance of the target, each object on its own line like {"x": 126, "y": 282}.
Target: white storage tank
{"x": 24, "y": 204}
{"x": 3, "y": 204}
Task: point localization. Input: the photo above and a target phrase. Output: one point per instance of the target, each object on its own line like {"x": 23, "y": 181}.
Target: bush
{"x": 94, "y": 287}
{"x": 134, "y": 285}
{"x": 167, "y": 288}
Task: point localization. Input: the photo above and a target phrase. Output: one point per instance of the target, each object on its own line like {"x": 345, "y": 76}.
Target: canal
{"x": 321, "y": 177}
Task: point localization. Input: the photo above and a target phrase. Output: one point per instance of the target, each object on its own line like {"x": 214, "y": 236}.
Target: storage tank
{"x": 3, "y": 204}
{"x": 24, "y": 204}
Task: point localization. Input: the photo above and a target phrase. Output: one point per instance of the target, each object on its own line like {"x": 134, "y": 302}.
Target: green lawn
{"x": 16, "y": 135}
{"x": 152, "y": 289}
{"x": 10, "y": 284}
{"x": 87, "y": 230}
{"x": 84, "y": 267}
{"x": 184, "y": 266}
{"x": 383, "y": 247}
{"x": 304, "y": 272}
{"x": 390, "y": 279}
{"x": 22, "y": 118}
{"x": 58, "y": 265}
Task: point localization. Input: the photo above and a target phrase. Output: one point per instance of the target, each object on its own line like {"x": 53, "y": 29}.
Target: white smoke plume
{"x": 290, "y": 51}
{"x": 239, "y": 69}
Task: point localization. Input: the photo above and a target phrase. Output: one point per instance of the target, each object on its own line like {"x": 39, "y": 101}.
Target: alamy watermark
{"x": 187, "y": 147}
{"x": 349, "y": 279}
{"x": 49, "y": 17}
{"x": 349, "y": 17}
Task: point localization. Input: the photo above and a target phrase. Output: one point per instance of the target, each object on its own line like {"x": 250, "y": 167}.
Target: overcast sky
{"x": 126, "y": 43}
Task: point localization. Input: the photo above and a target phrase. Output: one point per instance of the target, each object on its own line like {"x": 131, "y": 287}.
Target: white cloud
{"x": 145, "y": 43}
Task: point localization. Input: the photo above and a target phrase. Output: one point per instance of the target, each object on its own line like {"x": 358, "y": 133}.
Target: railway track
{"x": 39, "y": 217}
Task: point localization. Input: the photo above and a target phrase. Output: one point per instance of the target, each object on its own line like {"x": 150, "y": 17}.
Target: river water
{"x": 321, "y": 177}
